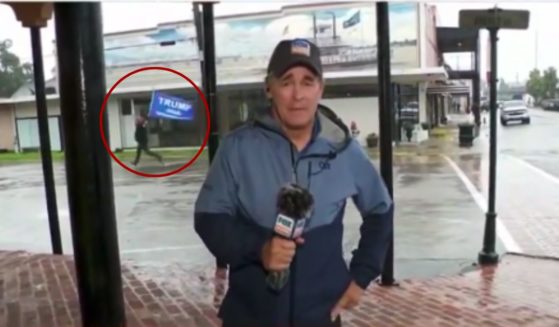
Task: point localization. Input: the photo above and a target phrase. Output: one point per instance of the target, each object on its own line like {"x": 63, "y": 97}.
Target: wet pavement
{"x": 438, "y": 226}
{"x": 440, "y": 193}
{"x": 439, "y": 221}
{"x": 39, "y": 290}
{"x": 537, "y": 143}
{"x": 527, "y": 182}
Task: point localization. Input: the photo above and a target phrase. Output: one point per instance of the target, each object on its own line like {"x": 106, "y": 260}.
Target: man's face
{"x": 296, "y": 95}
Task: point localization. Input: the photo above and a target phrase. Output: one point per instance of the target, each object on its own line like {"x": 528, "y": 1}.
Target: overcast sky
{"x": 516, "y": 55}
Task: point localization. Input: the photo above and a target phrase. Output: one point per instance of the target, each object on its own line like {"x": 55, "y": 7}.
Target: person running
{"x": 141, "y": 137}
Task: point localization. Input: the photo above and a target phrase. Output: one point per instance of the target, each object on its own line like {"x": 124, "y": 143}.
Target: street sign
{"x": 495, "y": 18}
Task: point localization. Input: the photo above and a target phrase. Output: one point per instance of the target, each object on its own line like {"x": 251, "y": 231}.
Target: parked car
{"x": 515, "y": 110}
{"x": 500, "y": 104}
{"x": 550, "y": 104}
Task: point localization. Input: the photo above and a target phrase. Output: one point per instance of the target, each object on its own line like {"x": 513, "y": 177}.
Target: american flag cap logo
{"x": 301, "y": 47}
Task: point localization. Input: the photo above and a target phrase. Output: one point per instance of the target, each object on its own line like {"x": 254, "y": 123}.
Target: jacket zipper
{"x": 294, "y": 179}
{"x": 293, "y": 266}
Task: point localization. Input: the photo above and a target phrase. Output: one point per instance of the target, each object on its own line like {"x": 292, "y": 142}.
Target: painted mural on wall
{"x": 345, "y": 34}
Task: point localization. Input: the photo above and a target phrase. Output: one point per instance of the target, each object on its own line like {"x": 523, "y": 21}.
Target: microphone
{"x": 294, "y": 205}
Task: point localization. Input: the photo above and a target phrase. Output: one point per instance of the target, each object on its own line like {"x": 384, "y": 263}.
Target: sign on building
{"x": 495, "y": 18}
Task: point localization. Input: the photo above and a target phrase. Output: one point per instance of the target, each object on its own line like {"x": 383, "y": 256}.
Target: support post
{"x": 385, "y": 119}
{"x": 81, "y": 67}
{"x": 44, "y": 137}
{"x": 206, "y": 41}
{"x": 399, "y": 104}
{"x": 209, "y": 75}
{"x": 488, "y": 256}
{"x": 197, "y": 14}
{"x": 476, "y": 106}
{"x": 437, "y": 106}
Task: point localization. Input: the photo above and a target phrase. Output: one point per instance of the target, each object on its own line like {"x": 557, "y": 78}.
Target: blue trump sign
{"x": 170, "y": 107}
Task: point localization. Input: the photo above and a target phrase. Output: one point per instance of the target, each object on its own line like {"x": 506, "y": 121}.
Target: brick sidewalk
{"x": 39, "y": 290}
{"x": 527, "y": 202}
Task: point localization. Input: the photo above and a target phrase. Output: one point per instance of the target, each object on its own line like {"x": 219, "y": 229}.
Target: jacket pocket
{"x": 318, "y": 298}
{"x": 249, "y": 299}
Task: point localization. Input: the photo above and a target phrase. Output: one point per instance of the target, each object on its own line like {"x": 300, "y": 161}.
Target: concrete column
{"x": 436, "y": 111}
{"x": 431, "y": 110}
{"x": 422, "y": 100}
{"x": 422, "y": 24}
{"x": 446, "y": 106}
{"x": 113, "y": 111}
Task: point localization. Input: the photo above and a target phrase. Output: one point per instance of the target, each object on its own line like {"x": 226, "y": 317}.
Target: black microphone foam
{"x": 295, "y": 201}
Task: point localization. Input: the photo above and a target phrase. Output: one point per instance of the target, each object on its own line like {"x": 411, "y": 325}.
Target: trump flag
{"x": 170, "y": 107}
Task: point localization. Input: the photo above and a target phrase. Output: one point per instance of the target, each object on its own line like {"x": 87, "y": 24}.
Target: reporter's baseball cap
{"x": 290, "y": 53}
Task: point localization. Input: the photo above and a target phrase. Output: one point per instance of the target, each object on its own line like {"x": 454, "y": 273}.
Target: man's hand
{"x": 278, "y": 252}
{"x": 349, "y": 300}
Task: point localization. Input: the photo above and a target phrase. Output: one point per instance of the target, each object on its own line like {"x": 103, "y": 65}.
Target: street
{"x": 440, "y": 197}
{"x": 537, "y": 143}
{"x": 439, "y": 212}
{"x": 527, "y": 182}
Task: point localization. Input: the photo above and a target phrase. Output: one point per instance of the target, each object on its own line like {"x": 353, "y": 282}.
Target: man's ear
{"x": 267, "y": 88}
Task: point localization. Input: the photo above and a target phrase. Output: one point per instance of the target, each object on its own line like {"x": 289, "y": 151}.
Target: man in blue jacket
{"x": 296, "y": 140}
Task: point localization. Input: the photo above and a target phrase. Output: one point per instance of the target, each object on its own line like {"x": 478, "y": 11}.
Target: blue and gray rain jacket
{"x": 236, "y": 211}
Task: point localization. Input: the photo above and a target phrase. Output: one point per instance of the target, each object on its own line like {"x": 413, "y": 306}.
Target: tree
{"x": 534, "y": 86}
{"x": 503, "y": 89}
{"x": 542, "y": 86}
{"x": 13, "y": 73}
{"x": 503, "y": 86}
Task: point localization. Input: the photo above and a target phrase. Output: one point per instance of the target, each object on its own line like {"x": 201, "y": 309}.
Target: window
{"x": 350, "y": 91}
{"x": 126, "y": 107}
{"x": 514, "y": 103}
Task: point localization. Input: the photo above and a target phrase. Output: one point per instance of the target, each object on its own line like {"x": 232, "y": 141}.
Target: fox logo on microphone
{"x": 289, "y": 227}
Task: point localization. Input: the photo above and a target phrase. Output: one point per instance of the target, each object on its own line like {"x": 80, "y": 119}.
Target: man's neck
{"x": 300, "y": 137}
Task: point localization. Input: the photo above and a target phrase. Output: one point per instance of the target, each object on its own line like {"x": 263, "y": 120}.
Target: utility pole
{"x": 536, "y": 51}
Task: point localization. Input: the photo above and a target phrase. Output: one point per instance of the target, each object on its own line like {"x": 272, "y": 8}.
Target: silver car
{"x": 514, "y": 110}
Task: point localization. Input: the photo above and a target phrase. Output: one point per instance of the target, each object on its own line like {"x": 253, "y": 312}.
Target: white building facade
{"x": 346, "y": 34}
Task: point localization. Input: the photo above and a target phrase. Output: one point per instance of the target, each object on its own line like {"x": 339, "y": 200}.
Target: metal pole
{"x": 197, "y": 24}
{"x": 44, "y": 135}
{"x": 209, "y": 74}
{"x": 536, "y": 51}
{"x": 385, "y": 121}
{"x": 334, "y": 29}
{"x": 476, "y": 85}
{"x": 394, "y": 111}
{"x": 488, "y": 254}
{"x": 314, "y": 27}
{"x": 399, "y": 103}
{"x": 88, "y": 166}
{"x": 200, "y": 41}
{"x": 206, "y": 66}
